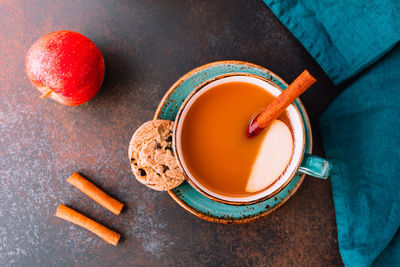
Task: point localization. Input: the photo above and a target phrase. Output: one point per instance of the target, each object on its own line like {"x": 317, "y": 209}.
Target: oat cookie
{"x": 152, "y": 158}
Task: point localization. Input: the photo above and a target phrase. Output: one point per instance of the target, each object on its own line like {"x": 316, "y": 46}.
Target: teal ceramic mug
{"x": 301, "y": 162}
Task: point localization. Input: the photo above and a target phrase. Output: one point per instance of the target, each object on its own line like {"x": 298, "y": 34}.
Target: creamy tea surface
{"x": 216, "y": 150}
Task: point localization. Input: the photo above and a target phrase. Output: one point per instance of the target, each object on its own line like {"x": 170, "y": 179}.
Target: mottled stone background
{"x": 147, "y": 46}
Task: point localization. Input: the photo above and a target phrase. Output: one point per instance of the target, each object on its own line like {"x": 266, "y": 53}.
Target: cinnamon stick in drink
{"x": 75, "y": 217}
{"x": 95, "y": 193}
{"x": 279, "y": 104}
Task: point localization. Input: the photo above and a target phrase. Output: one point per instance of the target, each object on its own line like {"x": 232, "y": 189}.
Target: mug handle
{"x": 315, "y": 166}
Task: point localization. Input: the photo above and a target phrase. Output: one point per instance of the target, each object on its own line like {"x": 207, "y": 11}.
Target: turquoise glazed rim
{"x": 185, "y": 195}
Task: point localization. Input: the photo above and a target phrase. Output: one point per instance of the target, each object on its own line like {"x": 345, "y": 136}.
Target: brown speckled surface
{"x": 147, "y": 45}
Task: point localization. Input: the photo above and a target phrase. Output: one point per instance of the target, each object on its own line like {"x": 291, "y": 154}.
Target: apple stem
{"x": 46, "y": 94}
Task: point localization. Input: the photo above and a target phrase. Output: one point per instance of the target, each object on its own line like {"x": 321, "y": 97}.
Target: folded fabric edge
{"x": 331, "y": 60}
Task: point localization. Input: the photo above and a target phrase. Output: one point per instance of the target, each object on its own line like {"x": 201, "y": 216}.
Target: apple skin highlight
{"x": 67, "y": 63}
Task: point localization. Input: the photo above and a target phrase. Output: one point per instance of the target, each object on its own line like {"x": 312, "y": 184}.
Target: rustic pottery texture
{"x": 185, "y": 194}
{"x": 307, "y": 163}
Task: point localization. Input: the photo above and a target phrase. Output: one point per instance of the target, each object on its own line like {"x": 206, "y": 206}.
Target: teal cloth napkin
{"x": 361, "y": 128}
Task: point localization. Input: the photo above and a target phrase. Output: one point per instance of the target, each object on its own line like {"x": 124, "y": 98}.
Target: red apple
{"x": 65, "y": 66}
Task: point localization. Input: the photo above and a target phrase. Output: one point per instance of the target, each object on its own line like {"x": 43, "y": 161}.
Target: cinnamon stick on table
{"x": 75, "y": 217}
{"x": 95, "y": 193}
{"x": 279, "y": 104}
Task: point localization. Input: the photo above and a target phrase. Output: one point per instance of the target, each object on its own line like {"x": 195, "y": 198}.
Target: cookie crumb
{"x": 142, "y": 172}
{"x": 165, "y": 168}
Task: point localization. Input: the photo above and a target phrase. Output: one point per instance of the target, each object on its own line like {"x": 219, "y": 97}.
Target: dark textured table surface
{"x": 147, "y": 46}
